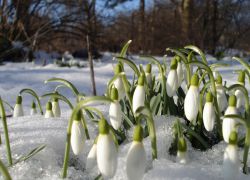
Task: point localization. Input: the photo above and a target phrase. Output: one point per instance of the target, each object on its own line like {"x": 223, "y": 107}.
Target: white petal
{"x": 77, "y": 138}
{"x": 33, "y": 111}
{"x": 115, "y": 115}
{"x": 18, "y": 110}
{"x": 221, "y": 98}
{"x": 136, "y": 161}
{"x": 182, "y": 157}
{"x": 119, "y": 85}
{"x": 228, "y": 124}
{"x": 191, "y": 103}
{"x": 138, "y": 97}
{"x": 208, "y": 116}
{"x": 231, "y": 162}
{"x": 240, "y": 98}
{"x": 106, "y": 156}
{"x": 91, "y": 159}
{"x": 56, "y": 109}
{"x": 48, "y": 114}
{"x": 172, "y": 83}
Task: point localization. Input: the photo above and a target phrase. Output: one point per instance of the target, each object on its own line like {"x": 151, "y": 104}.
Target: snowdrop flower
{"x": 118, "y": 82}
{"x": 33, "y": 109}
{"x": 238, "y": 93}
{"x": 136, "y": 157}
{"x": 106, "y": 152}
{"x": 229, "y": 124}
{"x": 231, "y": 163}
{"x": 180, "y": 72}
{"x": 139, "y": 94}
{"x": 182, "y": 157}
{"x": 115, "y": 112}
{"x": 18, "y": 109}
{"x": 77, "y": 138}
{"x": 91, "y": 158}
{"x": 172, "y": 80}
{"x": 49, "y": 112}
{"x": 191, "y": 102}
{"x": 149, "y": 75}
{"x": 221, "y": 96}
{"x": 56, "y": 108}
{"x": 209, "y": 113}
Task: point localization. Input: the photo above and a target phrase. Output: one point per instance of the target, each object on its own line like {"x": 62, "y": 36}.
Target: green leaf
{"x": 66, "y": 83}
{"x": 131, "y": 64}
{"x": 155, "y": 103}
{"x": 125, "y": 49}
{"x": 217, "y": 65}
{"x": 244, "y": 63}
{"x": 33, "y": 93}
{"x": 30, "y": 154}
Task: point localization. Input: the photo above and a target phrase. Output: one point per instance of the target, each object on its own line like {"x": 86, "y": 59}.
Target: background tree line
{"x": 60, "y": 25}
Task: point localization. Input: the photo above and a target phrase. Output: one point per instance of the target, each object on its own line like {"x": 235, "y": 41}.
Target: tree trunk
{"x": 186, "y": 14}
{"x": 214, "y": 26}
{"x": 142, "y": 26}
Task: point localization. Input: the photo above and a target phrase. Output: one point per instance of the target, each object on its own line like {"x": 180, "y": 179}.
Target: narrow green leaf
{"x": 131, "y": 64}
{"x": 59, "y": 96}
{"x": 244, "y": 63}
{"x": 198, "y": 51}
{"x": 125, "y": 49}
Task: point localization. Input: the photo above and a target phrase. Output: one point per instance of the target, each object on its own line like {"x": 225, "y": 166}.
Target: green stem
{"x": 246, "y": 149}
{"x": 4, "y": 171}
{"x": 6, "y": 133}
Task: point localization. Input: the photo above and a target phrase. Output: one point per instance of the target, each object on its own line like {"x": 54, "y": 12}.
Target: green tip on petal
{"x": 182, "y": 145}
{"x": 118, "y": 68}
{"x": 141, "y": 80}
{"x": 103, "y": 127}
{"x": 174, "y": 63}
{"x": 232, "y": 100}
{"x": 19, "y": 99}
{"x": 138, "y": 133}
{"x": 195, "y": 80}
{"x": 233, "y": 137}
{"x": 148, "y": 68}
{"x": 33, "y": 105}
{"x": 209, "y": 97}
{"x": 114, "y": 94}
{"x": 241, "y": 77}
{"x": 49, "y": 106}
{"x": 219, "y": 79}
{"x": 78, "y": 116}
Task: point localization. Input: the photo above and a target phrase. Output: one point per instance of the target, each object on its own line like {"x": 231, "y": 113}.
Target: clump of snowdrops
{"x": 207, "y": 111}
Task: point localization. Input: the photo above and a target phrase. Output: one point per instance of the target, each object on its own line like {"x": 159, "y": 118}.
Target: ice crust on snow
{"x": 28, "y": 132}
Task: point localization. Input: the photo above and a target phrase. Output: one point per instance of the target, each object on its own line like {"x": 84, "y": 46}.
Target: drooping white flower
{"x": 231, "y": 163}
{"x": 115, "y": 112}
{"x": 149, "y": 75}
{"x": 229, "y": 124}
{"x": 136, "y": 158}
{"x": 118, "y": 82}
{"x": 49, "y": 112}
{"x": 172, "y": 79}
{"x": 221, "y": 95}
{"x": 78, "y": 137}
{"x": 182, "y": 156}
{"x": 56, "y": 108}
{"x": 33, "y": 110}
{"x": 18, "y": 109}
{"x": 106, "y": 151}
{"x": 209, "y": 113}
{"x": 238, "y": 93}
{"x": 91, "y": 158}
{"x": 139, "y": 94}
{"x": 180, "y": 72}
{"x": 191, "y": 102}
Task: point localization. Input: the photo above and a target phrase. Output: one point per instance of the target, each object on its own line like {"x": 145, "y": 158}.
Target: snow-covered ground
{"x": 29, "y": 132}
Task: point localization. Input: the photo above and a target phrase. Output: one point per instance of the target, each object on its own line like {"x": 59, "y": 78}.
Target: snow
{"x": 28, "y": 132}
